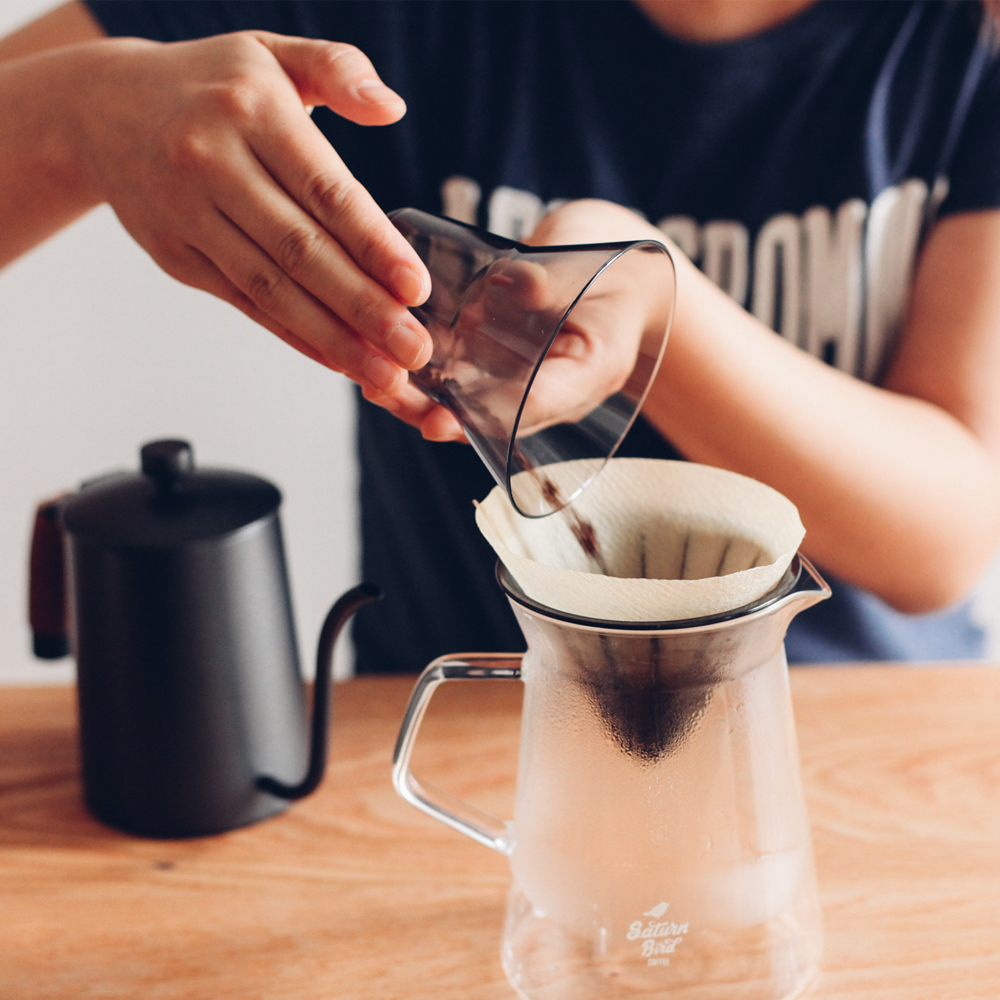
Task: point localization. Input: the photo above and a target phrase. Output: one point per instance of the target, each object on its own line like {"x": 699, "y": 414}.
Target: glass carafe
{"x": 660, "y": 845}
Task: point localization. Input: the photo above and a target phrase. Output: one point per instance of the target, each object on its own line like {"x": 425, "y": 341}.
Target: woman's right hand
{"x": 206, "y": 152}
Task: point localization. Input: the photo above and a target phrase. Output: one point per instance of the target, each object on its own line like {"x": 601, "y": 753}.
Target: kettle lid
{"x": 170, "y": 503}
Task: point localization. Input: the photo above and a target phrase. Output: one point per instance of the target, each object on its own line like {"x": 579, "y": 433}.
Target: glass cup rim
{"x": 501, "y": 466}
{"x": 621, "y": 249}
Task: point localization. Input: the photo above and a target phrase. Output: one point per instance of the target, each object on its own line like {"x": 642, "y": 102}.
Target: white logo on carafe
{"x": 659, "y": 937}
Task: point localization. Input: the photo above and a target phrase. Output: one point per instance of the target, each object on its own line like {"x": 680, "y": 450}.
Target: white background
{"x": 101, "y": 352}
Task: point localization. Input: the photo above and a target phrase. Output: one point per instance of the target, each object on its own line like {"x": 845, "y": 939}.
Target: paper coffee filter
{"x": 677, "y": 540}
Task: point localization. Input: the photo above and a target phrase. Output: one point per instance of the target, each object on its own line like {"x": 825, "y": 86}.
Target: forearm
{"x": 897, "y": 495}
{"x": 42, "y": 186}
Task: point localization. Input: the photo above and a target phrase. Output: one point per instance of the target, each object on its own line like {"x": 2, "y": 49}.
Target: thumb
{"x": 338, "y": 75}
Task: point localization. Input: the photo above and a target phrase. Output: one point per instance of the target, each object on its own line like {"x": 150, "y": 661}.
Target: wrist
{"x": 46, "y": 99}
{"x": 93, "y": 131}
{"x": 42, "y": 186}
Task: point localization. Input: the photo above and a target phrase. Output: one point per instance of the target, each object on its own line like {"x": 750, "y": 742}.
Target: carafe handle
{"x": 476, "y": 823}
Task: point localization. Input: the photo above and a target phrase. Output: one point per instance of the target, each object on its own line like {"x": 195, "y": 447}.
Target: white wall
{"x": 100, "y": 352}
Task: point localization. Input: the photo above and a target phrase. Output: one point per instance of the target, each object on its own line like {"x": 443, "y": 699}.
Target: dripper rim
{"x": 783, "y": 589}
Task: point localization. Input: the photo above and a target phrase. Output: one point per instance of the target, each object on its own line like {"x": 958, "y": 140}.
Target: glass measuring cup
{"x": 544, "y": 354}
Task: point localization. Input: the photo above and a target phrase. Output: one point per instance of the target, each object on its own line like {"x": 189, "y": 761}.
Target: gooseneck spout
{"x": 336, "y": 619}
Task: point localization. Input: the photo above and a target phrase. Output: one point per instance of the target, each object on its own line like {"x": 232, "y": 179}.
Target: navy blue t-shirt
{"x": 799, "y": 168}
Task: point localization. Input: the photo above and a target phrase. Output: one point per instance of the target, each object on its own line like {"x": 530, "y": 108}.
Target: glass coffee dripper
{"x": 544, "y": 354}
{"x": 660, "y": 845}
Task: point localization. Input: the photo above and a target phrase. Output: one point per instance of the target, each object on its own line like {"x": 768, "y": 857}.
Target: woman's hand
{"x": 211, "y": 162}
{"x": 898, "y": 486}
{"x": 207, "y": 154}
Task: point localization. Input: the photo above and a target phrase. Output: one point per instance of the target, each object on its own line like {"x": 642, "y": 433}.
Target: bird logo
{"x": 657, "y": 911}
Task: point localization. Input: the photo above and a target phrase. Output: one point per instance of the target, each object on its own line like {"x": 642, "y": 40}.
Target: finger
{"x": 206, "y": 276}
{"x": 410, "y": 405}
{"x": 193, "y": 268}
{"x": 338, "y": 75}
{"x": 291, "y": 308}
{"x": 403, "y": 400}
{"x": 569, "y": 345}
{"x": 391, "y": 404}
{"x": 521, "y": 283}
{"x": 295, "y": 154}
{"x": 442, "y": 425}
{"x": 566, "y": 389}
{"x": 309, "y": 169}
{"x": 407, "y": 403}
{"x": 318, "y": 263}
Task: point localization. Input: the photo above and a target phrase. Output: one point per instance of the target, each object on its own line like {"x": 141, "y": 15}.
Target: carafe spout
{"x": 809, "y": 589}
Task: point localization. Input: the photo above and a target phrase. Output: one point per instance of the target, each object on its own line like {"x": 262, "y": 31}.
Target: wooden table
{"x": 352, "y": 893}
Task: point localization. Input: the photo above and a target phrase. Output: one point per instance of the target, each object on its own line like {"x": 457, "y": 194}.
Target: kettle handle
{"x": 47, "y": 583}
{"x": 336, "y": 619}
{"x": 481, "y": 826}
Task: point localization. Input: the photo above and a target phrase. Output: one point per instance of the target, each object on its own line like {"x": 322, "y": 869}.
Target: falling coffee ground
{"x": 583, "y": 531}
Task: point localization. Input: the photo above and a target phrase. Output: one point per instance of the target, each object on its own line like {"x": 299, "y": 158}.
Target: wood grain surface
{"x": 353, "y": 894}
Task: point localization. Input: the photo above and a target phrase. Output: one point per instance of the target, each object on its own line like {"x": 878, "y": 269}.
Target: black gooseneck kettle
{"x": 191, "y": 702}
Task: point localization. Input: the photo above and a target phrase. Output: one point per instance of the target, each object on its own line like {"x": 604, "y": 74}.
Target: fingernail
{"x": 380, "y": 373}
{"x": 376, "y": 92}
{"x": 410, "y": 286}
{"x": 406, "y": 346}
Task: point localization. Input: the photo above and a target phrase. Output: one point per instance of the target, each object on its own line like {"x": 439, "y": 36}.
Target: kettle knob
{"x": 167, "y": 463}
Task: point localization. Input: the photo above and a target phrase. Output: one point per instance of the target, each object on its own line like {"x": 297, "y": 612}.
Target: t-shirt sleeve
{"x": 178, "y": 20}
{"x": 974, "y": 171}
